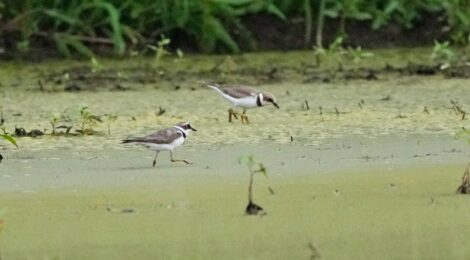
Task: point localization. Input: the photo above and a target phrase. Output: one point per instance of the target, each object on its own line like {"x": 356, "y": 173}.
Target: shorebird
{"x": 243, "y": 97}
{"x": 165, "y": 140}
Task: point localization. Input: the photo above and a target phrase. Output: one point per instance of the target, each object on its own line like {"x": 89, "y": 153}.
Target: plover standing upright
{"x": 243, "y": 97}
{"x": 165, "y": 140}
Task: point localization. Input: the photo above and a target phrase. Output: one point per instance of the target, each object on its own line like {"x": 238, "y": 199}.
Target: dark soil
{"x": 271, "y": 33}
{"x": 21, "y": 132}
{"x": 85, "y": 78}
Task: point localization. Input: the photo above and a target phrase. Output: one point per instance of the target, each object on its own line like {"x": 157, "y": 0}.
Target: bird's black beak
{"x": 193, "y": 129}
{"x": 276, "y": 105}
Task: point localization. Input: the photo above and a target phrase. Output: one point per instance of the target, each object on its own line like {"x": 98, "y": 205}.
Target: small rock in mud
{"x": 463, "y": 189}
{"x": 73, "y": 87}
{"x": 19, "y": 131}
{"x": 253, "y": 209}
{"x": 421, "y": 69}
{"x": 458, "y": 72}
{"x": 119, "y": 87}
{"x": 35, "y": 133}
{"x": 387, "y": 98}
{"x": 127, "y": 210}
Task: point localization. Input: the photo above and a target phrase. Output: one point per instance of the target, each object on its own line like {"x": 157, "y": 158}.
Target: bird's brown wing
{"x": 239, "y": 91}
{"x": 164, "y": 136}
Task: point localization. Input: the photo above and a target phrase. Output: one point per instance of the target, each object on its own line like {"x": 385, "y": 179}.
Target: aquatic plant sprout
{"x": 87, "y": 121}
{"x": 253, "y": 167}
{"x": 9, "y": 138}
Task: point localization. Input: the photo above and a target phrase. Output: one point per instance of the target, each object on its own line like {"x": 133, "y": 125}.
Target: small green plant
{"x": 95, "y": 64}
{"x": 443, "y": 54}
{"x": 54, "y": 121}
{"x": 336, "y": 52}
{"x": 254, "y": 167}
{"x": 61, "y": 121}
{"x": 314, "y": 252}
{"x": 464, "y": 188}
{"x": 12, "y": 140}
{"x": 9, "y": 138}
{"x": 160, "y": 49}
{"x": 358, "y": 54}
{"x": 108, "y": 120}
{"x": 87, "y": 121}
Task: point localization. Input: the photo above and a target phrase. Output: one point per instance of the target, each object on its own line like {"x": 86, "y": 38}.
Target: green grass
{"x": 347, "y": 215}
{"x": 128, "y": 27}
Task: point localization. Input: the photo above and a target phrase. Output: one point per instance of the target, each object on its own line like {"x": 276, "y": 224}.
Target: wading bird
{"x": 243, "y": 97}
{"x": 165, "y": 140}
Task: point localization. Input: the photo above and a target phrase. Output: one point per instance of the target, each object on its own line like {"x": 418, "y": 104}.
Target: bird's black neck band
{"x": 181, "y": 130}
{"x": 258, "y": 100}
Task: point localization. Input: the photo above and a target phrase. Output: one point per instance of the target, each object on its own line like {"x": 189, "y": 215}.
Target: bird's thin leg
{"x": 155, "y": 159}
{"x": 230, "y": 113}
{"x": 173, "y": 160}
{"x": 244, "y": 117}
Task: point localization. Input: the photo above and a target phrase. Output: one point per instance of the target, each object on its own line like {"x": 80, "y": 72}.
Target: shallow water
{"x": 371, "y": 214}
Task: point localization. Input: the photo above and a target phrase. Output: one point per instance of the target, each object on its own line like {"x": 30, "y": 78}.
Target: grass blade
{"x": 9, "y": 138}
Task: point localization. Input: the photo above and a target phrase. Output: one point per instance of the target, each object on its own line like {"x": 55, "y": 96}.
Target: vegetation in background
{"x": 443, "y": 54}
{"x": 160, "y": 50}
{"x": 130, "y": 26}
{"x": 336, "y": 52}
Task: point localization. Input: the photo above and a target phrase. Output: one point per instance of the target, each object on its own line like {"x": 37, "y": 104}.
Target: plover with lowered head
{"x": 243, "y": 97}
{"x": 165, "y": 140}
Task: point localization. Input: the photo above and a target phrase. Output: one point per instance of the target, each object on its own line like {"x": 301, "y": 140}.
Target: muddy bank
{"x": 406, "y": 105}
{"x": 253, "y": 69}
{"x": 316, "y": 103}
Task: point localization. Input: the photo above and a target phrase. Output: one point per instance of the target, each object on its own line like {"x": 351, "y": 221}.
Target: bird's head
{"x": 268, "y": 97}
{"x": 186, "y": 126}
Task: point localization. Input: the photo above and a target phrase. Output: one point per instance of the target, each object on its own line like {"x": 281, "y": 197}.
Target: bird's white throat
{"x": 182, "y": 130}
{"x": 259, "y": 100}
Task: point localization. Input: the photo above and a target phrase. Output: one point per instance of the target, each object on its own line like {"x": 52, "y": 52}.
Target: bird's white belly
{"x": 164, "y": 147}
{"x": 246, "y": 102}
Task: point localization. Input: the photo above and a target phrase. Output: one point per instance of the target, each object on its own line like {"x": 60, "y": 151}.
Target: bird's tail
{"x": 215, "y": 87}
